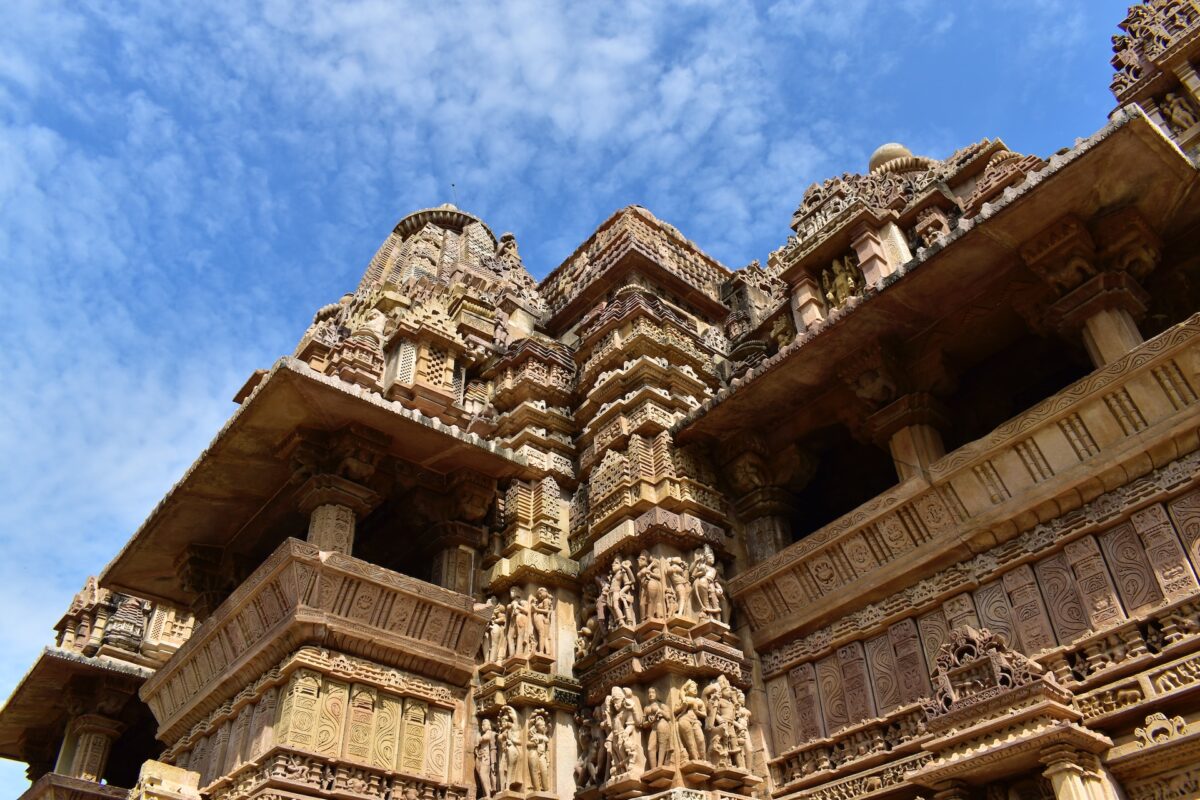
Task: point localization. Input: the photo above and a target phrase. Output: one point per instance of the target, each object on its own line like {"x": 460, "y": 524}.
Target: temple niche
{"x": 909, "y": 509}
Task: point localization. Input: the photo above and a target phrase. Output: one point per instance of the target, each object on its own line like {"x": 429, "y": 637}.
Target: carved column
{"x": 94, "y": 736}
{"x": 1189, "y": 78}
{"x": 909, "y": 428}
{"x": 1065, "y": 774}
{"x": 1095, "y": 270}
{"x": 334, "y": 505}
{"x": 764, "y": 489}
{"x": 872, "y": 255}
{"x": 807, "y": 305}
{"x": 200, "y": 574}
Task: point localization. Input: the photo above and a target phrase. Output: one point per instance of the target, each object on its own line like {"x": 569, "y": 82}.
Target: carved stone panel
{"x": 911, "y": 669}
{"x": 995, "y": 614}
{"x": 412, "y": 736}
{"x": 810, "y": 723}
{"x": 1062, "y": 598}
{"x": 1029, "y": 611}
{"x": 387, "y": 731}
{"x": 1185, "y": 512}
{"x": 437, "y": 746}
{"x": 782, "y": 714}
{"x": 1134, "y": 578}
{"x": 856, "y": 682}
{"x": 1100, "y": 602}
{"x": 362, "y": 717}
{"x": 934, "y": 633}
{"x": 960, "y": 610}
{"x": 1165, "y": 553}
{"x": 833, "y": 698}
{"x": 881, "y": 660}
{"x": 298, "y": 712}
{"x": 334, "y": 698}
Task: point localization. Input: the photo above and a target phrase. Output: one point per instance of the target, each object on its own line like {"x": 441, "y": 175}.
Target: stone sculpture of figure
{"x": 538, "y": 746}
{"x": 624, "y": 735}
{"x": 705, "y": 584}
{"x": 497, "y": 634}
{"x": 585, "y": 637}
{"x": 602, "y": 593}
{"x": 509, "y": 767}
{"x": 518, "y": 624}
{"x": 723, "y": 599}
{"x": 681, "y": 587}
{"x": 689, "y": 709}
{"x": 742, "y": 726}
{"x": 542, "y": 605}
{"x": 485, "y": 647}
{"x": 620, "y": 594}
{"x": 726, "y": 747}
{"x": 600, "y": 730}
{"x": 584, "y": 774}
{"x": 660, "y": 745}
{"x": 652, "y": 602}
{"x": 831, "y": 299}
{"x": 843, "y": 280}
{"x": 1178, "y": 112}
{"x": 485, "y": 759}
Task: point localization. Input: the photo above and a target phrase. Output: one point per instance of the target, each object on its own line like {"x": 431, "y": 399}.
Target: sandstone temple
{"x": 910, "y": 511}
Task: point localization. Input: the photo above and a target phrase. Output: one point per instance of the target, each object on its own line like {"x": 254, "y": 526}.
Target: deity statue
{"x": 661, "y": 743}
{"x": 586, "y": 635}
{"x": 542, "y": 605}
{"x": 681, "y": 587}
{"x": 689, "y": 709}
{"x": 497, "y": 633}
{"x": 510, "y": 748}
{"x": 585, "y": 763}
{"x": 1178, "y": 112}
{"x": 726, "y": 747}
{"x": 518, "y": 624}
{"x": 705, "y": 583}
{"x": 485, "y": 759}
{"x": 620, "y": 594}
{"x": 602, "y": 593}
{"x": 624, "y": 735}
{"x": 651, "y": 602}
{"x": 538, "y": 745}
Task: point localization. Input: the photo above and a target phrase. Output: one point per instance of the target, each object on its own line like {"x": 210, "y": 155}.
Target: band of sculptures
{"x": 661, "y": 587}
{"x": 523, "y": 628}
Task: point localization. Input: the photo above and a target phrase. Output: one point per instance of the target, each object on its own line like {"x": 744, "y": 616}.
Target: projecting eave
{"x": 240, "y": 483}
{"x": 39, "y": 700}
{"x": 1129, "y": 162}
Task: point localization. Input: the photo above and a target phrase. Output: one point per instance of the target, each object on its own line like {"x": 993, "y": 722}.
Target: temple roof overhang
{"x": 221, "y": 499}
{"x": 1129, "y": 162}
{"x": 40, "y": 700}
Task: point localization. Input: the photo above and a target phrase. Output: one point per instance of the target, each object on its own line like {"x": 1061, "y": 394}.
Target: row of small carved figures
{"x": 661, "y": 587}
{"x": 522, "y": 628}
{"x": 329, "y": 778}
{"x": 710, "y": 726}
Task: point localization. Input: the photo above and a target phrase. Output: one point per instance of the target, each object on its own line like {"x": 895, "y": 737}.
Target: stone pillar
{"x": 764, "y": 504}
{"x": 1098, "y": 780}
{"x": 334, "y": 505}
{"x": 909, "y": 426}
{"x": 808, "y": 306}
{"x": 872, "y": 255}
{"x": 1104, "y": 310}
{"x": 952, "y": 790}
{"x": 1189, "y": 78}
{"x": 1064, "y": 773}
{"x": 94, "y": 736}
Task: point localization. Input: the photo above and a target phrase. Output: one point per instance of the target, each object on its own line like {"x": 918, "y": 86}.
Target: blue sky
{"x": 183, "y": 184}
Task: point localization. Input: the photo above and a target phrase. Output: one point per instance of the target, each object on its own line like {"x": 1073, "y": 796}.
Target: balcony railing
{"x": 302, "y": 596}
{"x": 53, "y": 786}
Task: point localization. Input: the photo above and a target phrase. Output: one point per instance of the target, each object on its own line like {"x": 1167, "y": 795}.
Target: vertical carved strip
{"x": 934, "y": 633}
{"x": 1091, "y": 575}
{"x": 332, "y": 721}
{"x": 1125, "y": 411}
{"x": 833, "y": 700}
{"x": 910, "y": 662}
{"x": 263, "y": 736}
{"x": 882, "y": 663}
{"x": 412, "y": 741}
{"x": 1165, "y": 553}
{"x": 782, "y": 716}
{"x": 1029, "y": 611}
{"x": 810, "y": 722}
{"x": 237, "y": 739}
{"x": 856, "y": 682}
{"x": 437, "y": 748}
{"x": 1185, "y": 512}
{"x": 1174, "y": 385}
{"x": 1058, "y": 587}
{"x": 360, "y": 723}
{"x": 1134, "y": 578}
{"x": 219, "y": 748}
{"x": 1079, "y": 437}
{"x": 995, "y": 614}
{"x": 387, "y": 731}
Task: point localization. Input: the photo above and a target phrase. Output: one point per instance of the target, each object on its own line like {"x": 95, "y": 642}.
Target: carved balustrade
{"x": 301, "y": 595}
{"x": 1133, "y": 415}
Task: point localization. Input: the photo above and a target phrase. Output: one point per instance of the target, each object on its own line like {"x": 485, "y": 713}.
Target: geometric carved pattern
{"x": 1134, "y": 578}
{"x": 1062, "y": 599}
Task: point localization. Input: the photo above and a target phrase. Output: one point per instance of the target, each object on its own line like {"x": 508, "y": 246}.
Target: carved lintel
{"x": 199, "y": 572}
{"x": 328, "y": 489}
{"x": 1105, "y": 310}
{"x": 1063, "y": 254}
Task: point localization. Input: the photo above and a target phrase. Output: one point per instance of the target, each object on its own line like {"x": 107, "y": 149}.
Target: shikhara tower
{"x": 911, "y": 510}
